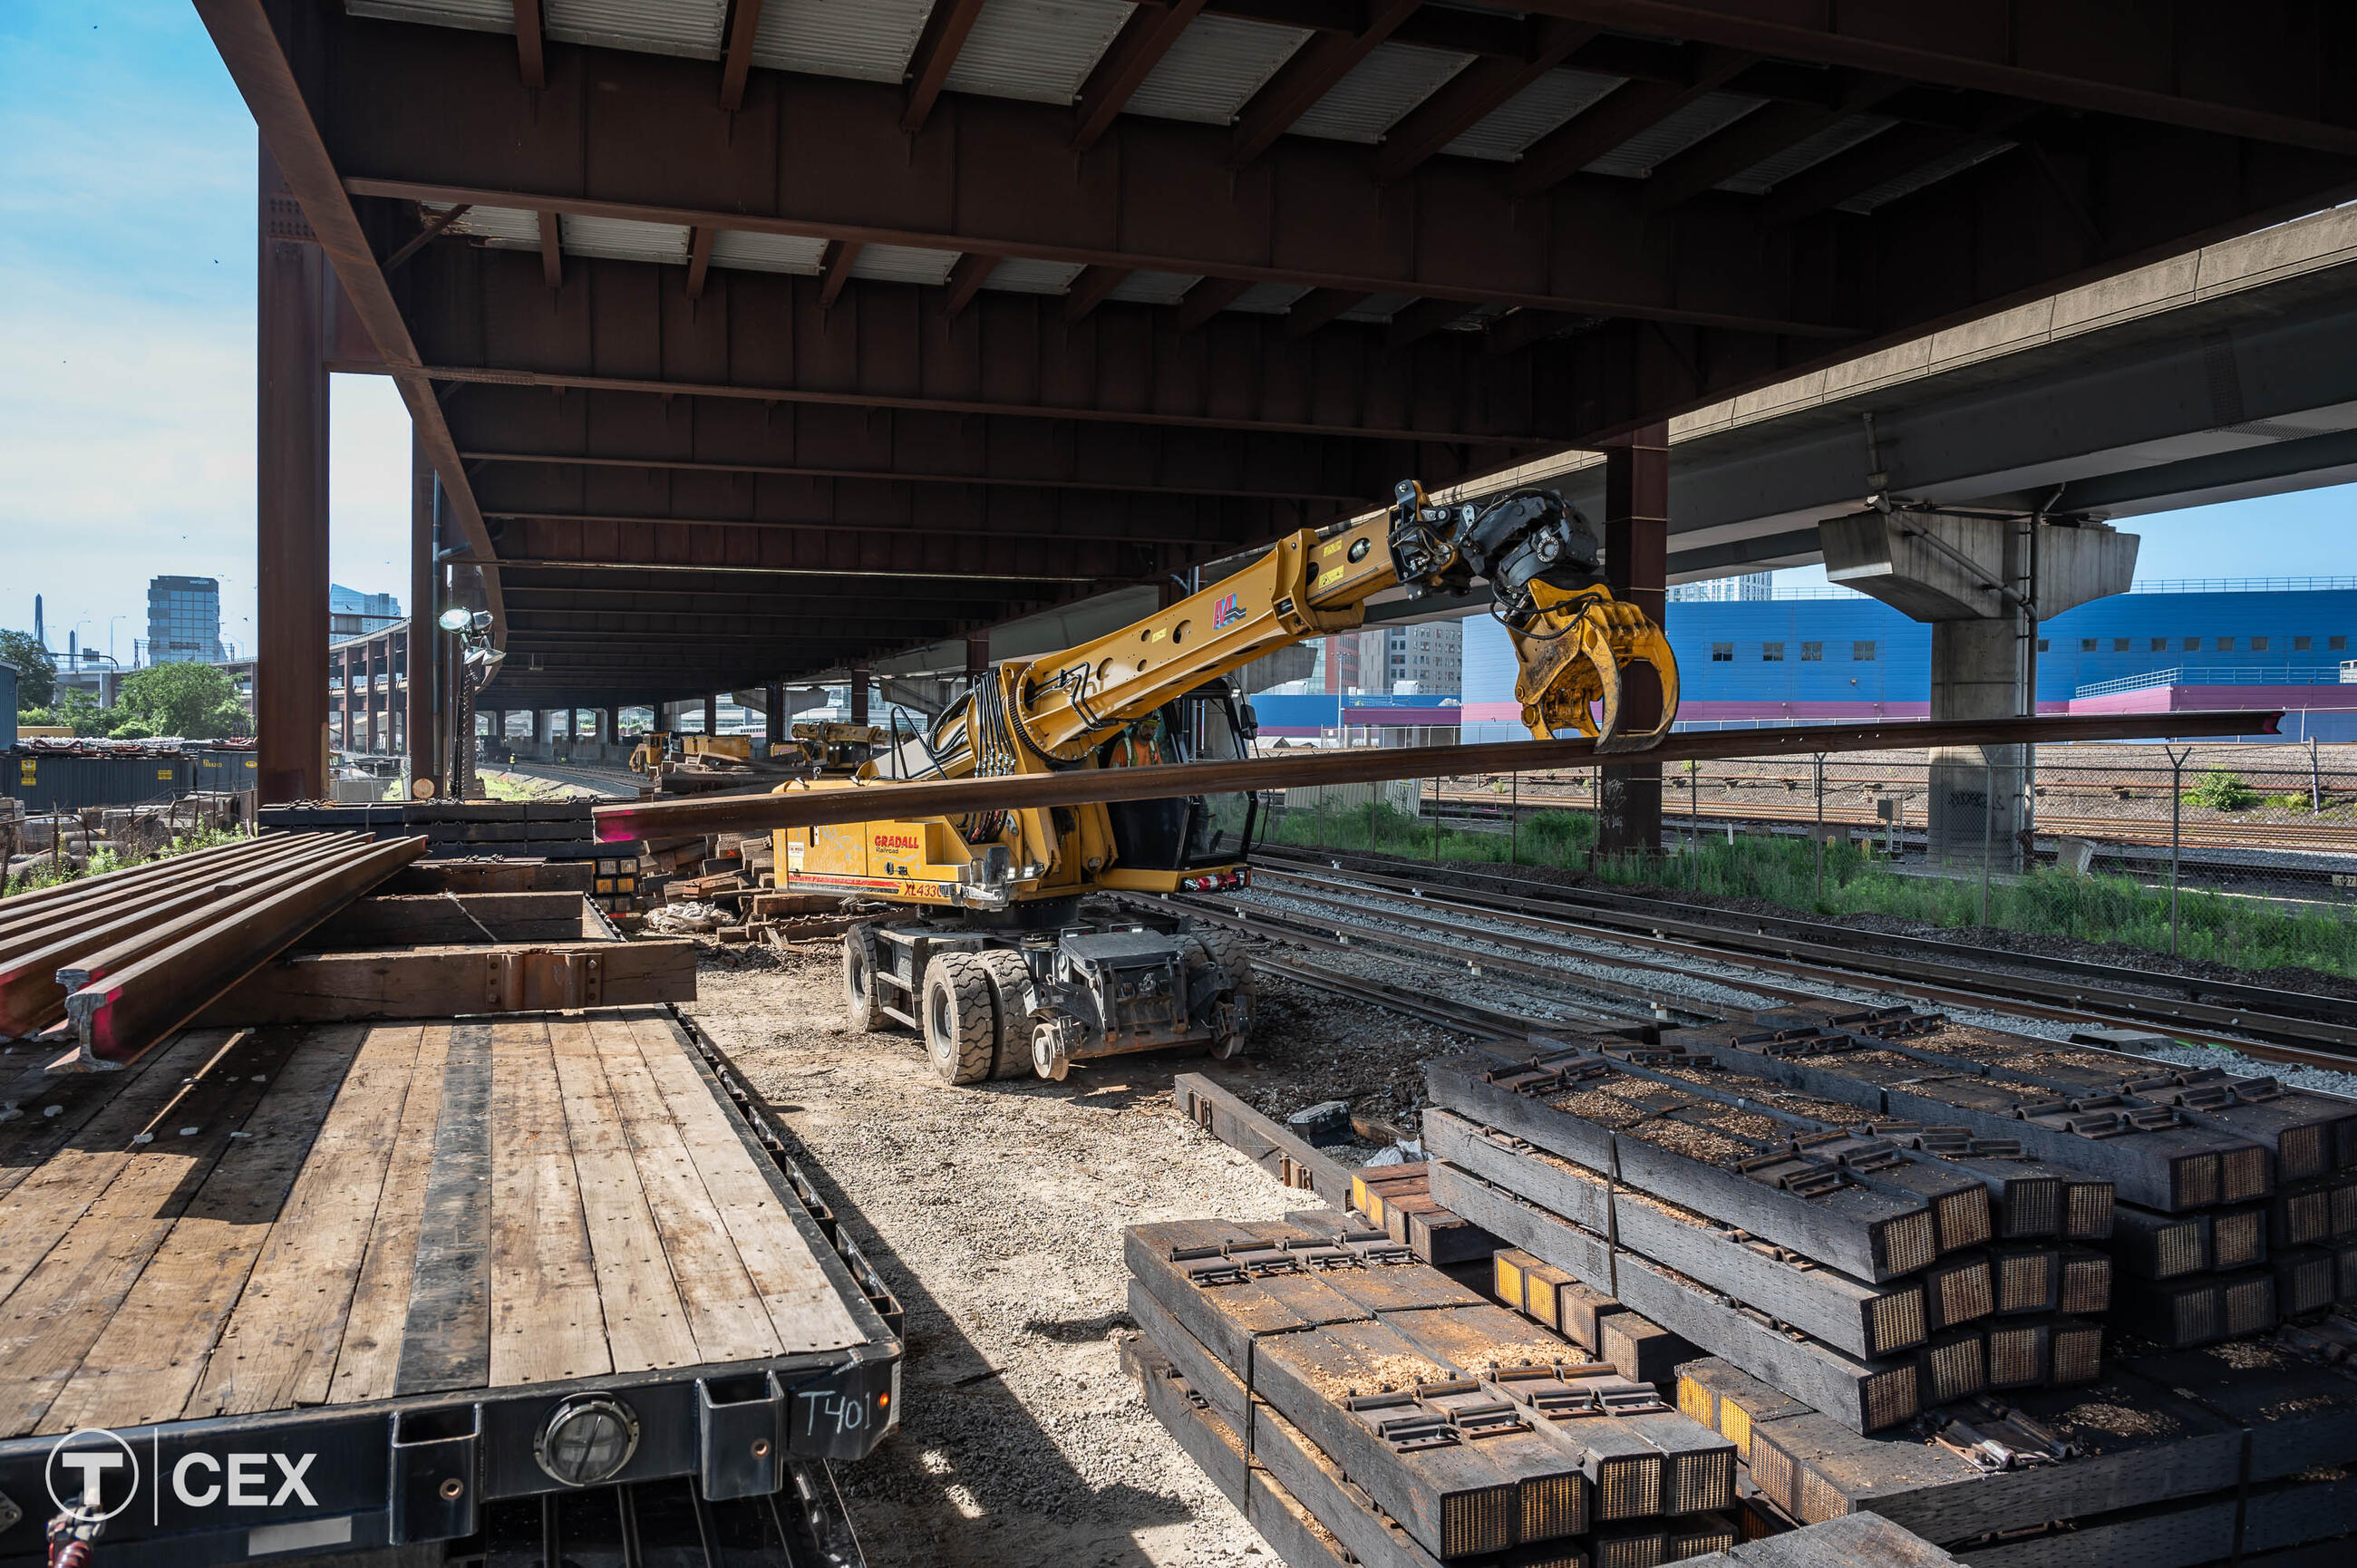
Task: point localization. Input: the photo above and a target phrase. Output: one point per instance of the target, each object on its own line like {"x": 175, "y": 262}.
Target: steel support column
{"x": 774, "y": 724}
{"x": 290, "y": 666}
{"x": 1636, "y": 568}
{"x": 417, "y": 720}
{"x": 860, "y": 693}
{"x": 711, "y": 713}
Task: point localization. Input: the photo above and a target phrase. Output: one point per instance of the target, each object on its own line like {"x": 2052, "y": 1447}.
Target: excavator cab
{"x": 1188, "y": 834}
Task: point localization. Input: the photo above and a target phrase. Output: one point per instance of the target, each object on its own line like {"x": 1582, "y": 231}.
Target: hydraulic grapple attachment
{"x": 1572, "y": 654}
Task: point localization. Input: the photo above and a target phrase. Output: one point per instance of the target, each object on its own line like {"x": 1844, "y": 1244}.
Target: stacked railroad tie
{"x": 106, "y": 967}
{"x": 545, "y": 830}
{"x": 1896, "y": 1237}
{"x": 1346, "y": 1395}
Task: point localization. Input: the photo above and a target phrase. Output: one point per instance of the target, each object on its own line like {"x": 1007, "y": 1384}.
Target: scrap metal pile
{"x": 106, "y": 967}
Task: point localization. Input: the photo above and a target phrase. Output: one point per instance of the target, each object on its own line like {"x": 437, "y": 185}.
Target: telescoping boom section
{"x": 1006, "y": 968}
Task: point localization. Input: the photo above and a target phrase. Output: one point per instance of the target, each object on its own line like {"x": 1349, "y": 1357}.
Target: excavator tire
{"x": 860, "y": 1004}
{"x": 1229, "y": 954}
{"x": 961, "y": 1025}
{"x": 1010, "y": 979}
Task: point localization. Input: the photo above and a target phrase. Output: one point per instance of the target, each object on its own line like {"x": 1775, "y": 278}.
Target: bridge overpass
{"x": 745, "y": 340}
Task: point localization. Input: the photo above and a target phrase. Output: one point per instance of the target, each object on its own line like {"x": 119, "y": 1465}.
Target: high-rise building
{"x": 1426, "y": 658}
{"x": 183, "y": 620}
{"x": 351, "y": 613}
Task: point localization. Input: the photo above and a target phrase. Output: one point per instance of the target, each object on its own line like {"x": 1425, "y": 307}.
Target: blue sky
{"x": 127, "y": 350}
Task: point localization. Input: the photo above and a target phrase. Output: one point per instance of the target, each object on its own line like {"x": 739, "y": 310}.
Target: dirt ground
{"x": 995, "y": 1213}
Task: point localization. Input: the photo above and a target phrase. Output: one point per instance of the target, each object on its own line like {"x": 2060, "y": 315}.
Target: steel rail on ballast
{"x": 2258, "y": 1032}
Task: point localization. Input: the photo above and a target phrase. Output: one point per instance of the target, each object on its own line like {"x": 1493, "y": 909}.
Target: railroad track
{"x": 2150, "y": 832}
{"x": 1668, "y": 936}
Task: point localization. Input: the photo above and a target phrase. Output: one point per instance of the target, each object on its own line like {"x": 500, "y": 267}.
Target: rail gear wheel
{"x": 960, "y": 1027}
{"x": 860, "y": 1004}
{"x": 1052, "y": 1047}
{"x": 1010, "y": 1001}
{"x": 1238, "y": 999}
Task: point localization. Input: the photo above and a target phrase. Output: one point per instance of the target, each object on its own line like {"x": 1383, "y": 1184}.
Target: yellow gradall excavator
{"x": 999, "y": 961}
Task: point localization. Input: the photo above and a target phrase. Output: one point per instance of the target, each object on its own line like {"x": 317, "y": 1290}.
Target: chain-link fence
{"x": 2236, "y": 853}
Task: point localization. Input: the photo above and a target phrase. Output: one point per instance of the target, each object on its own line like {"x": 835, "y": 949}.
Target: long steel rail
{"x": 2259, "y": 1031}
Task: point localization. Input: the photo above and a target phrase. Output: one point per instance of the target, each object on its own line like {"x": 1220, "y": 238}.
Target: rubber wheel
{"x": 1010, "y": 979}
{"x": 1231, "y": 954}
{"x": 961, "y": 1025}
{"x": 860, "y": 1002}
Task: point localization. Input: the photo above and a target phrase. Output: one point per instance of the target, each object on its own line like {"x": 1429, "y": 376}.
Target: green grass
{"x": 106, "y": 860}
{"x": 2223, "y": 790}
{"x": 1784, "y": 871}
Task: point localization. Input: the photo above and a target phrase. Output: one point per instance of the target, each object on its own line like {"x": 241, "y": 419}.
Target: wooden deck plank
{"x": 369, "y": 1358}
{"x": 153, "y": 1353}
{"x": 802, "y": 1303}
{"x": 59, "y": 1307}
{"x": 646, "y": 1323}
{"x": 445, "y": 1336}
{"x": 54, "y": 1194}
{"x": 546, "y": 1322}
{"x": 278, "y": 1349}
{"x": 32, "y": 1134}
{"x": 719, "y": 1293}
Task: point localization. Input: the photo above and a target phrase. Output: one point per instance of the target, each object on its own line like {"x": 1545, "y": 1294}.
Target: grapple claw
{"x": 1572, "y": 655}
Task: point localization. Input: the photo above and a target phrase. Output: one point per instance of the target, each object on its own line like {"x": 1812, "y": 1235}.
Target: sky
{"x": 127, "y": 168}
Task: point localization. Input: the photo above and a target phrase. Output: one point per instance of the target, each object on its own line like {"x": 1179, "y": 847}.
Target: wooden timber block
{"x": 1582, "y": 1310}
{"x": 1957, "y": 1290}
{"x": 1280, "y": 1448}
{"x": 416, "y": 919}
{"x": 1188, "y": 1417}
{"x": 1952, "y": 1365}
{"x": 2323, "y": 1209}
{"x": 2181, "y": 1535}
{"x": 2027, "y": 1279}
{"x": 2306, "y": 1280}
{"x": 2170, "y": 1169}
{"x": 510, "y": 876}
{"x": 1641, "y": 1349}
{"x": 1861, "y": 1319}
{"x": 2238, "y": 1236}
{"x": 2086, "y": 1289}
{"x": 1870, "y": 1394}
{"x": 1227, "y": 1305}
{"x": 450, "y": 982}
{"x": 1870, "y": 1235}
{"x": 1730, "y": 1401}
{"x": 1292, "y": 1161}
{"x": 2155, "y": 1246}
{"x": 1349, "y": 1387}
{"x": 2247, "y": 1303}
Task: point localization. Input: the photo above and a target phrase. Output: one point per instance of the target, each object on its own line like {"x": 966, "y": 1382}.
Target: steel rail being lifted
{"x": 797, "y": 807}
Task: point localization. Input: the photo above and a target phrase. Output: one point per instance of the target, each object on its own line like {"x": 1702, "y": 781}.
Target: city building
{"x": 1710, "y": 590}
{"x": 1425, "y": 659}
{"x": 1828, "y": 655}
{"x": 183, "y": 620}
{"x": 351, "y": 613}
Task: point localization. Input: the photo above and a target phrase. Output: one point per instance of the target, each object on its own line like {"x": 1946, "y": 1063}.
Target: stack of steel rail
{"x": 109, "y": 965}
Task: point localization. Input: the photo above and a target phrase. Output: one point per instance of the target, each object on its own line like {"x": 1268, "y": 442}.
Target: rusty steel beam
{"x": 937, "y": 50}
{"x": 1313, "y": 71}
{"x": 531, "y": 67}
{"x": 926, "y": 447}
{"x": 126, "y": 999}
{"x": 1200, "y": 526}
{"x": 1131, "y": 484}
{"x": 1470, "y": 96}
{"x": 998, "y": 176}
{"x": 737, "y": 59}
{"x": 819, "y": 808}
{"x": 1127, "y": 61}
{"x": 244, "y": 34}
{"x": 1628, "y": 109}
{"x": 739, "y": 546}
{"x": 2270, "y": 70}
{"x": 772, "y": 340}
{"x": 290, "y": 666}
